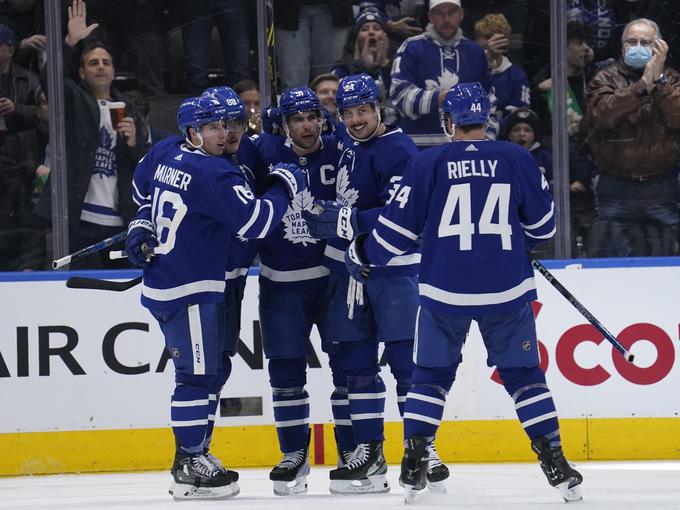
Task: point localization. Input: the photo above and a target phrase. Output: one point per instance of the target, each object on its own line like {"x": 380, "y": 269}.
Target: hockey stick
{"x": 271, "y": 51}
{"x": 89, "y": 250}
{"x": 627, "y": 355}
{"x": 82, "y": 282}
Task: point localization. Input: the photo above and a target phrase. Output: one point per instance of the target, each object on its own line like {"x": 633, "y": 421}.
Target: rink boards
{"x": 85, "y": 382}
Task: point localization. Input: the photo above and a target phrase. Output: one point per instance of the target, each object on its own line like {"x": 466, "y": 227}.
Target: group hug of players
{"x": 365, "y": 237}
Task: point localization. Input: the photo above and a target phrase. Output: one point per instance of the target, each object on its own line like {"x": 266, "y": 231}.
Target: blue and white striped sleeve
{"x": 538, "y": 208}
{"x": 411, "y": 100}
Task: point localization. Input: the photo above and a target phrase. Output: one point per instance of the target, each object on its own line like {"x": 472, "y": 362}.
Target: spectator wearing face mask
{"x": 634, "y": 109}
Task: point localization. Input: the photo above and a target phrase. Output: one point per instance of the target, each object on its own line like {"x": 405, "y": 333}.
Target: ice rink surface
{"x": 607, "y": 485}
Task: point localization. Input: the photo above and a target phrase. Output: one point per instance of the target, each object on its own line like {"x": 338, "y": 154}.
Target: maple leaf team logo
{"x": 294, "y": 226}
{"x": 445, "y": 81}
{"x": 345, "y": 194}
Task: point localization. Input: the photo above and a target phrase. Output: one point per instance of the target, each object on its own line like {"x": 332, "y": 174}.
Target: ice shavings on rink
{"x": 606, "y": 485}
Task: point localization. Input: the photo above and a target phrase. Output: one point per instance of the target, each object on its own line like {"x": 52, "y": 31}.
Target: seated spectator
{"x": 19, "y": 88}
{"x": 634, "y": 109}
{"x": 141, "y": 111}
{"x": 325, "y": 86}
{"x": 249, "y": 93}
{"x": 510, "y": 82}
{"x": 371, "y": 52}
{"x": 522, "y": 127}
{"x": 426, "y": 66}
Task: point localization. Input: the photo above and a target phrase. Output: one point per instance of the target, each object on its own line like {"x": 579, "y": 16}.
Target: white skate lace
{"x": 292, "y": 459}
{"x": 215, "y": 461}
{"x": 359, "y": 456}
{"x": 433, "y": 458}
{"x": 203, "y": 466}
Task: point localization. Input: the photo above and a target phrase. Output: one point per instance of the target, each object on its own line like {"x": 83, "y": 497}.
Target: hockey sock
{"x": 189, "y": 415}
{"x": 344, "y": 436}
{"x": 426, "y": 399}
{"x": 366, "y": 407}
{"x": 213, "y": 401}
{"x": 291, "y": 402}
{"x": 291, "y": 416}
{"x": 533, "y": 402}
{"x": 214, "y": 398}
{"x": 399, "y": 357}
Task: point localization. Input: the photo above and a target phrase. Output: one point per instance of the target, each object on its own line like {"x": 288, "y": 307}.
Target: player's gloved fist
{"x": 272, "y": 121}
{"x": 140, "y": 242}
{"x": 288, "y": 173}
{"x": 328, "y": 219}
{"x": 356, "y": 260}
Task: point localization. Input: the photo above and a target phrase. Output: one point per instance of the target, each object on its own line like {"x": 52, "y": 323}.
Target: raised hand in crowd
{"x": 656, "y": 64}
{"x": 405, "y": 27}
{"x": 37, "y": 42}
{"x": 78, "y": 29}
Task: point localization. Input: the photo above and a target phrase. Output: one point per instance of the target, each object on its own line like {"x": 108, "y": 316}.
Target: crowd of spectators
{"x": 623, "y": 97}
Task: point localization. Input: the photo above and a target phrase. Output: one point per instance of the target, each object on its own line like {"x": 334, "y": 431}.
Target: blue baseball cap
{"x": 7, "y": 36}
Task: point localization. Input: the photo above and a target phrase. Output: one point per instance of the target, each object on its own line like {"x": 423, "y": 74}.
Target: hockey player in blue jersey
{"x": 426, "y": 66}
{"x": 240, "y": 150}
{"x": 293, "y": 282}
{"x": 371, "y": 167}
{"x": 191, "y": 201}
{"x": 479, "y": 206}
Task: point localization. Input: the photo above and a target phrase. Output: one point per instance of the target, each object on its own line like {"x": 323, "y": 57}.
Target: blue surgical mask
{"x": 637, "y": 56}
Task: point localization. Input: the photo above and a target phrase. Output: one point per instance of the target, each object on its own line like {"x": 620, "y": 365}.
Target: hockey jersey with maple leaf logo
{"x": 290, "y": 257}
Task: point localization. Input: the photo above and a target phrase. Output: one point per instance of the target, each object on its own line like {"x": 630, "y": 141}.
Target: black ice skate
{"x": 290, "y": 475}
{"x": 364, "y": 473}
{"x": 437, "y": 472}
{"x": 557, "y": 470}
{"x": 195, "y": 477}
{"x": 414, "y": 467}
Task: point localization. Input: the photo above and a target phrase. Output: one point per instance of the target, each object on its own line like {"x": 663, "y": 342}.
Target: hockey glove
{"x": 328, "y": 219}
{"x": 140, "y": 242}
{"x": 288, "y": 173}
{"x": 356, "y": 261}
{"x": 272, "y": 121}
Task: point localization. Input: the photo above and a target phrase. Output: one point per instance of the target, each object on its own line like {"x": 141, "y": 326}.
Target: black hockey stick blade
{"x": 82, "y": 282}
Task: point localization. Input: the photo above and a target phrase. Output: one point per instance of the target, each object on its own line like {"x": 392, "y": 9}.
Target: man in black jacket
{"x": 101, "y": 157}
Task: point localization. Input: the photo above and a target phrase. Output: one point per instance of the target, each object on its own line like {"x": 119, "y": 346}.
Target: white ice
{"x": 607, "y": 485}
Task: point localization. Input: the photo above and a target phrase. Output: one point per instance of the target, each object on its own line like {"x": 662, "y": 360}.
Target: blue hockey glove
{"x": 295, "y": 179}
{"x": 272, "y": 121}
{"x": 356, "y": 261}
{"x": 140, "y": 242}
{"x": 328, "y": 219}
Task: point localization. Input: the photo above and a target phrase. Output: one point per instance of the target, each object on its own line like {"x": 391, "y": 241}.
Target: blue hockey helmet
{"x": 230, "y": 100}
{"x": 467, "y": 103}
{"x": 355, "y": 90}
{"x": 298, "y": 99}
{"x": 197, "y": 111}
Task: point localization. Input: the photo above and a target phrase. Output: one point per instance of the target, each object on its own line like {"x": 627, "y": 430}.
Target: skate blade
{"x": 375, "y": 484}
{"x": 570, "y": 493}
{"x": 183, "y": 492}
{"x": 410, "y": 494}
{"x": 297, "y": 487}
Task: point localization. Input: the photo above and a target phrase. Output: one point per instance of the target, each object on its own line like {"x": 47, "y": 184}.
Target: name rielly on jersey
{"x": 172, "y": 177}
{"x": 472, "y": 168}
